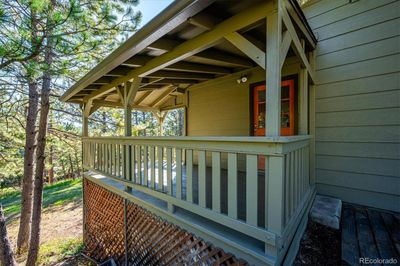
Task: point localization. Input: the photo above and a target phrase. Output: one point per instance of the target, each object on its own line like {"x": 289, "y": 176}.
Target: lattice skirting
{"x": 140, "y": 238}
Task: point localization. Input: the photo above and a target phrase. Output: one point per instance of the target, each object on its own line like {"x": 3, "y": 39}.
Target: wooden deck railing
{"x": 213, "y": 176}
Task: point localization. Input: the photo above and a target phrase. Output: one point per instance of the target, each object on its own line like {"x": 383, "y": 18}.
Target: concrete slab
{"x": 326, "y": 211}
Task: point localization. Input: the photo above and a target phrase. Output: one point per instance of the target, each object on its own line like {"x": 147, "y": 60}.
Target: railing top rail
{"x": 252, "y": 139}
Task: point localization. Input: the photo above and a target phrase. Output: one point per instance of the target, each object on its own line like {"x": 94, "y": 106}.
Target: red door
{"x": 287, "y": 109}
{"x": 287, "y": 112}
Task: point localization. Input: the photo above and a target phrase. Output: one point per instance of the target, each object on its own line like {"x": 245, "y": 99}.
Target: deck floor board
{"x": 369, "y": 233}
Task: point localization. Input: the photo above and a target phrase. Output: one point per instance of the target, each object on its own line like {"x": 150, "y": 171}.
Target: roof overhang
{"x": 191, "y": 41}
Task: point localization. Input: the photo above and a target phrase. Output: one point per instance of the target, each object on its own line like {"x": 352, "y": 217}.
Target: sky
{"x": 150, "y": 8}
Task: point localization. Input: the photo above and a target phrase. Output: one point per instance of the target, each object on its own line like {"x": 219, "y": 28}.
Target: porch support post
{"x": 127, "y": 96}
{"x": 160, "y": 116}
{"x": 85, "y": 125}
{"x": 273, "y": 73}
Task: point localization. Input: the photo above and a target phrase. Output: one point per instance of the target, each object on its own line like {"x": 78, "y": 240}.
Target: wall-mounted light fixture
{"x": 242, "y": 79}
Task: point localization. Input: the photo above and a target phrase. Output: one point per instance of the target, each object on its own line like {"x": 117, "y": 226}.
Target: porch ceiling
{"x": 190, "y": 42}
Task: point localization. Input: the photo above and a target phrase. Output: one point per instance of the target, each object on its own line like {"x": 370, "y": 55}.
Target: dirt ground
{"x": 61, "y": 221}
{"x": 58, "y": 223}
{"x": 319, "y": 245}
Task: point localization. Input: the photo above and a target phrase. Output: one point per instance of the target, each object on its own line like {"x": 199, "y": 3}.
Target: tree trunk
{"x": 71, "y": 165}
{"x": 65, "y": 176}
{"x": 6, "y": 253}
{"x": 51, "y": 169}
{"x": 30, "y": 135}
{"x": 27, "y": 182}
{"x": 40, "y": 152}
{"x": 77, "y": 164}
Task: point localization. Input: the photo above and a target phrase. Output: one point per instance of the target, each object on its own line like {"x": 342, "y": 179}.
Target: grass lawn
{"x": 61, "y": 226}
{"x": 56, "y": 194}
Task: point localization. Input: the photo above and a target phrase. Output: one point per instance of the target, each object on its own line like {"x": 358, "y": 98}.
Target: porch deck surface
{"x": 369, "y": 233}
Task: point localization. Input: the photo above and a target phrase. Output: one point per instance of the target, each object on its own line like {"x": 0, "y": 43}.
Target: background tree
{"x": 48, "y": 41}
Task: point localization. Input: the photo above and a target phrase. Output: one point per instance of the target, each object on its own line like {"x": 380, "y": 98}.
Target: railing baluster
{"x": 127, "y": 162}
{"x": 287, "y": 186}
{"x": 139, "y": 163}
{"x": 301, "y": 172}
{"x": 101, "y": 157}
{"x": 216, "y": 181}
{"x": 251, "y": 189}
{"x": 266, "y": 188}
{"x": 109, "y": 160}
{"x": 160, "y": 162}
{"x": 118, "y": 160}
{"x": 145, "y": 166}
{"x": 202, "y": 178}
{"x": 152, "y": 168}
{"x": 292, "y": 176}
{"x": 112, "y": 159}
{"x": 178, "y": 173}
{"x": 232, "y": 185}
{"x": 189, "y": 175}
{"x": 134, "y": 176}
{"x": 296, "y": 181}
{"x": 123, "y": 150}
{"x": 169, "y": 170}
{"x": 93, "y": 153}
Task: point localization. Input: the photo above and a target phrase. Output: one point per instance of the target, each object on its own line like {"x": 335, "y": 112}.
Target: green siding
{"x": 358, "y": 100}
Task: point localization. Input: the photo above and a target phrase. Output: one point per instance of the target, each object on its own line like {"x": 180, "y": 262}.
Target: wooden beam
{"x": 180, "y": 75}
{"x": 207, "y": 22}
{"x": 121, "y": 93}
{"x": 144, "y": 96}
{"x": 163, "y": 96}
{"x": 192, "y": 46}
{"x": 203, "y": 21}
{"x": 247, "y": 48}
{"x": 215, "y": 55}
{"x": 103, "y": 103}
{"x": 165, "y": 81}
{"x": 133, "y": 89}
{"x": 87, "y": 107}
{"x": 174, "y": 16}
{"x": 299, "y": 49}
{"x": 286, "y": 41}
{"x": 218, "y": 57}
{"x": 118, "y": 71}
{"x": 198, "y": 68}
{"x": 140, "y": 60}
{"x": 102, "y": 80}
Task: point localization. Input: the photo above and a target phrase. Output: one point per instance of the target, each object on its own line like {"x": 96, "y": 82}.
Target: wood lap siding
{"x": 358, "y": 100}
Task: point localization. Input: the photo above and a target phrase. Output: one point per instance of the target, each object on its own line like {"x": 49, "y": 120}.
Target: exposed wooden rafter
{"x": 252, "y": 51}
{"x": 180, "y": 75}
{"x": 160, "y": 99}
{"x": 171, "y": 18}
{"x": 104, "y": 103}
{"x": 143, "y": 97}
{"x": 210, "y": 54}
{"x": 192, "y": 46}
{"x": 140, "y": 60}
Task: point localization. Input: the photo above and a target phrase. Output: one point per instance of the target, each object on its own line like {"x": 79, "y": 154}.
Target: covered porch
{"x": 247, "y": 193}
